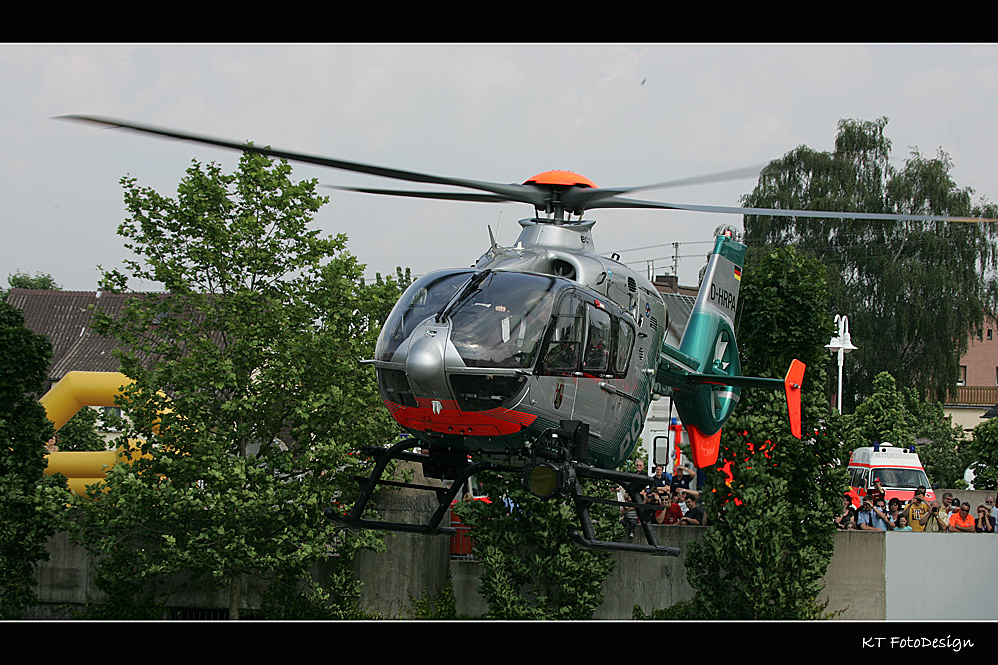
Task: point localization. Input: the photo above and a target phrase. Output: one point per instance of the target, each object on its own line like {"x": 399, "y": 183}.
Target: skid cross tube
{"x": 444, "y": 495}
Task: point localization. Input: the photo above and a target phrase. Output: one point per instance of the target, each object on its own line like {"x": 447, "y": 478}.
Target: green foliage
{"x": 883, "y": 416}
{"x": 440, "y": 608}
{"x": 31, "y": 501}
{"x": 774, "y": 496}
{"x": 985, "y": 451}
{"x": 532, "y": 570}
{"x": 82, "y": 432}
{"x": 912, "y": 290}
{"x": 22, "y": 280}
{"x": 901, "y": 417}
{"x": 248, "y": 396}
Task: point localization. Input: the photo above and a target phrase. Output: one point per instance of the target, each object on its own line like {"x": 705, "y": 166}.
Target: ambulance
{"x": 898, "y": 469}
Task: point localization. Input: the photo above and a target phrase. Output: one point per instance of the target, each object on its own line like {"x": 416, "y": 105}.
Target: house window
{"x": 962, "y": 381}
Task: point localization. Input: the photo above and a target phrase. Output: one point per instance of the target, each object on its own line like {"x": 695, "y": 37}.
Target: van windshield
{"x": 895, "y": 478}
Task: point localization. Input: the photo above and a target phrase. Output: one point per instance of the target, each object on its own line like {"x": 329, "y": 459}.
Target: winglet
{"x": 792, "y": 384}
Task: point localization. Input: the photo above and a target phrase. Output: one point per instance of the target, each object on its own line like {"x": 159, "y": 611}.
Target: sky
{"x": 621, "y": 114}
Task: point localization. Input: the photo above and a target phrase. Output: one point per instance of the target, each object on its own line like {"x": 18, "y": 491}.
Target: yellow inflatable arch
{"x": 73, "y": 392}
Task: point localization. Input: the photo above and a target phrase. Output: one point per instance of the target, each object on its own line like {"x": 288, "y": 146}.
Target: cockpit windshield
{"x": 424, "y": 298}
{"x": 498, "y": 320}
{"x": 502, "y": 322}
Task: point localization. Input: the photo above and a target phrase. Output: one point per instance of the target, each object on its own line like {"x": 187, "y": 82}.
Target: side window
{"x": 564, "y": 347}
{"x": 625, "y": 340}
{"x": 598, "y": 342}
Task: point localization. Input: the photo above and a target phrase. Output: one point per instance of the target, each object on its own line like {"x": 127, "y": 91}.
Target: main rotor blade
{"x": 779, "y": 212}
{"x": 449, "y": 196}
{"x": 512, "y": 192}
{"x": 587, "y": 197}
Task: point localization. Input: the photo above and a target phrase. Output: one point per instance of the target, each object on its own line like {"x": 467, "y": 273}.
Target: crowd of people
{"x": 950, "y": 515}
{"x": 676, "y": 503}
{"x": 671, "y": 496}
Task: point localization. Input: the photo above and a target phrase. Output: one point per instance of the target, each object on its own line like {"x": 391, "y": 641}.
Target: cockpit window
{"x": 565, "y": 345}
{"x": 625, "y": 340}
{"x": 424, "y": 298}
{"x": 598, "y": 342}
{"x": 587, "y": 339}
{"x": 502, "y": 323}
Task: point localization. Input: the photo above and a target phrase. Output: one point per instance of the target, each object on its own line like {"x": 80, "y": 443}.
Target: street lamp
{"x": 842, "y": 345}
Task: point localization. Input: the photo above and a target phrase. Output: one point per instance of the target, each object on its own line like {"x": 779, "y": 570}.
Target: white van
{"x": 899, "y": 470}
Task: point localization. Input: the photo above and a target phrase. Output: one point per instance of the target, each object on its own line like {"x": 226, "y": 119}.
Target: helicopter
{"x": 543, "y": 358}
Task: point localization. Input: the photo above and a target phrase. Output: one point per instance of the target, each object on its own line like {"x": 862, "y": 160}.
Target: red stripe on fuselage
{"x": 450, "y": 420}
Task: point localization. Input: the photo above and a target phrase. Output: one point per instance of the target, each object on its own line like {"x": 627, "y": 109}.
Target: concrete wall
{"x": 871, "y": 576}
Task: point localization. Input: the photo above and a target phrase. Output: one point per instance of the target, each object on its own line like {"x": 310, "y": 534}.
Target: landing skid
{"x": 633, "y": 483}
{"x": 444, "y": 495}
{"x": 457, "y": 468}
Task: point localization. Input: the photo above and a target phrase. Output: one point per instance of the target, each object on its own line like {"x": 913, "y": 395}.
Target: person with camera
{"x": 985, "y": 523}
{"x": 938, "y": 521}
{"x": 918, "y": 510}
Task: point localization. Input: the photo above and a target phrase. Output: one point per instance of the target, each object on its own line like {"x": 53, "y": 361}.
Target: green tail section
{"x": 704, "y": 372}
{"x": 708, "y": 354}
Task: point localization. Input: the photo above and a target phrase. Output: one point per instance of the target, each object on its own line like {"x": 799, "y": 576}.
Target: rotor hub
{"x": 563, "y": 178}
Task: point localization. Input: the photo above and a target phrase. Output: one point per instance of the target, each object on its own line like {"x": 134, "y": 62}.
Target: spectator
{"x": 639, "y": 467}
{"x": 694, "y": 514}
{"x": 894, "y": 509}
{"x": 868, "y": 518}
{"x": 954, "y": 507}
{"x": 847, "y": 519}
{"x": 918, "y": 510}
{"x": 947, "y": 500}
{"x": 902, "y": 524}
{"x": 628, "y": 516}
{"x": 880, "y": 509}
{"x": 682, "y": 477}
{"x": 990, "y": 503}
{"x": 670, "y": 513}
{"x": 985, "y": 523}
{"x": 876, "y": 492}
{"x": 962, "y": 521}
{"x": 938, "y": 521}
{"x": 658, "y": 478}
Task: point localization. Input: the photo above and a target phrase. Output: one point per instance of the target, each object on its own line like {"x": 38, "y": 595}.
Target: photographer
{"x": 938, "y": 519}
{"x": 985, "y": 523}
{"x": 918, "y": 510}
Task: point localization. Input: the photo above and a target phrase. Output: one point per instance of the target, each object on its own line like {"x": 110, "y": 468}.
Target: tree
{"x": 903, "y": 418}
{"x": 22, "y": 280}
{"x": 913, "y": 291}
{"x": 985, "y": 452}
{"x": 774, "y": 497}
{"x": 247, "y": 395}
{"x": 31, "y": 501}
{"x": 532, "y": 569}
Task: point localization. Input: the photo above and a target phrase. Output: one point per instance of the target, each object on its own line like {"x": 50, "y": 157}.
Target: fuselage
{"x": 486, "y": 359}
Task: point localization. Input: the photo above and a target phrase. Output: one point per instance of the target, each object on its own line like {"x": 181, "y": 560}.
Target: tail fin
{"x": 705, "y": 372}
{"x": 709, "y": 339}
